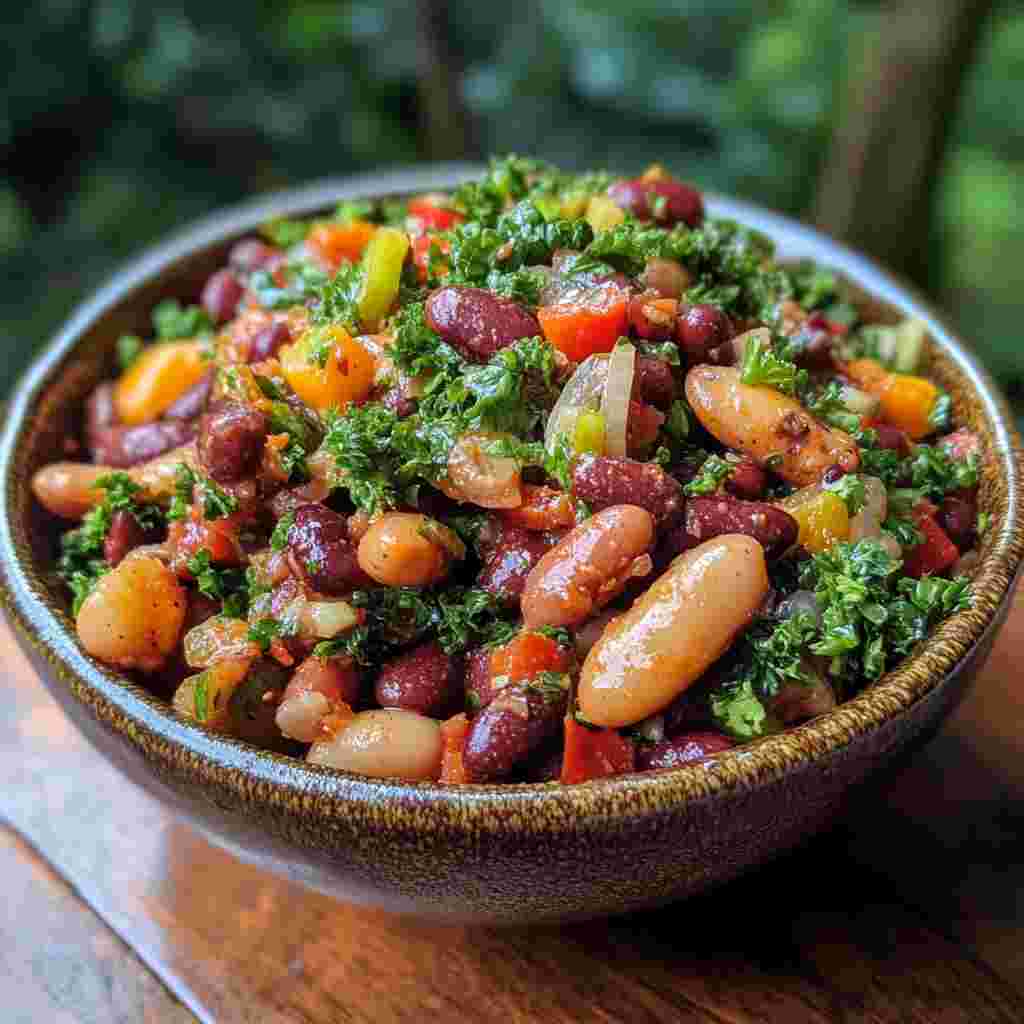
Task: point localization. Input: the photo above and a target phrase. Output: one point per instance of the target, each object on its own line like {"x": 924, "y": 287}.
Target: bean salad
{"x": 553, "y": 477}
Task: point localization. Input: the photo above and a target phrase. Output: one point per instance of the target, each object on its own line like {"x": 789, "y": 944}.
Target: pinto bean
{"x": 747, "y": 480}
{"x": 673, "y": 753}
{"x": 666, "y": 277}
{"x": 221, "y": 295}
{"x": 602, "y": 481}
{"x": 388, "y": 744}
{"x": 320, "y": 548}
{"x": 774, "y": 529}
{"x": 519, "y": 719}
{"x": 767, "y": 425}
{"x": 231, "y": 437}
{"x": 673, "y": 632}
{"x": 587, "y": 568}
{"x": 653, "y": 381}
{"x": 667, "y": 202}
{"x": 192, "y": 403}
{"x": 477, "y": 322}
{"x": 122, "y": 447}
{"x": 123, "y": 535}
{"x": 406, "y": 549}
{"x": 318, "y": 686}
{"x": 266, "y": 343}
{"x": 506, "y": 569}
{"x": 424, "y": 679}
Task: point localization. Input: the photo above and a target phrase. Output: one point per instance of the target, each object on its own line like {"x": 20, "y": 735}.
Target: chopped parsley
{"x": 227, "y": 585}
{"x": 763, "y": 367}
{"x": 216, "y": 503}
{"x": 713, "y": 473}
{"x": 851, "y": 489}
{"x": 171, "y": 320}
{"x": 129, "y": 348}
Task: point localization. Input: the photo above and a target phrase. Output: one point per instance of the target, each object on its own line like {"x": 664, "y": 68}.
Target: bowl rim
{"x": 257, "y": 777}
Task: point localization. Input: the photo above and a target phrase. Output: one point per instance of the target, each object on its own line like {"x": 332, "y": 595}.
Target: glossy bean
{"x": 685, "y": 749}
{"x": 387, "y": 743}
{"x": 123, "y": 535}
{"x": 587, "y": 568}
{"x": 425, "y": 680}
{"x": 321, "y": 550}
{"x": 604, "y": 481}
{"x": 406, "y": 549}
{"x": 122, "y": 446}
{"x": 673, "y": 632}
{"x": 318, "y": 687}
{"x": 231, "y": 438}
{"x": 772, "y": 428}
{"x": 134, "y": 615}
{"x": 477, "y": 322}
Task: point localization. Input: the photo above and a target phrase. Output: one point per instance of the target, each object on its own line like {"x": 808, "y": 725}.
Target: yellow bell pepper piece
{"x": 328, "y": 367}
{"x": 604, "y": 213}
{"x": 157, "y": 379}
{"x": 382, "y": 274}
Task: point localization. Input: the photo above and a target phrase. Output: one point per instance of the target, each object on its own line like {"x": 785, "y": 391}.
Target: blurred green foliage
{"x": 123, "y": 119}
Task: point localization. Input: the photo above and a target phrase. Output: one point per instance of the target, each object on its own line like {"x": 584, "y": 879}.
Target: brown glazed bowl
{"x": 516, "y": 853}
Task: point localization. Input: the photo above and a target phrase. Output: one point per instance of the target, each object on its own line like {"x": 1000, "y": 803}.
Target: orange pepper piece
{"x": 157, "y": 379}
{"x": 335, "y": 244}
{"x": 594, "y": 324}
{"x": 453, "y": 742}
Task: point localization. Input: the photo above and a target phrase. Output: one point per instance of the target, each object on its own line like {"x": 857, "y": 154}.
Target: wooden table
{"x": 912, "y": 910}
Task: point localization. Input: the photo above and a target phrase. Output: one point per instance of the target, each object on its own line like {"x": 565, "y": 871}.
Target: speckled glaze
{"x": 521, "y": 853}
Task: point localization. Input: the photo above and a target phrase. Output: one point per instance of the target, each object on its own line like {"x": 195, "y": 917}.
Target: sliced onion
{"x": 582, "y": 392}
{"x": 615, "y": 403}
{"x": 867, "y": 523}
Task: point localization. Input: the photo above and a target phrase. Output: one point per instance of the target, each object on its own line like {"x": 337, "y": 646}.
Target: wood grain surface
{"x": 910, "y": 911}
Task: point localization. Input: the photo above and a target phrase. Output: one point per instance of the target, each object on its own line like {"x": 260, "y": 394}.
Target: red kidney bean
{"x": 832, "y": 474}
{"x": 667, "y": 202}
{"x": 124, "y": 535}
{"x": 654, "y": 382}
{"x": 128, "y": 446}
{"x": 99, "y": 409}
{"x": 321, "y": 551}
{"x": 480, "y": 690}
{"x": 774, "y": 529}
{"x": 666, "y": 277}
{"x": 686, "y": 749}
{"x": 513, "y": 725}
{"x": 958, "y": 516}
{"x": 702, "y": 328}
{"x": 891, "y": 437}
{"x": 231, "y": 437}
{"x": 602, "y": 481}
{"x": 252, "y": 254}
{"x": 545, "y": 764}
{"x": 221, "y": 295}
{"x": 265, "y": 344}
{"x": 424, "y": 679}
{"x": 192, "y": 403}
{"x": 477, "y": 322}
{"x": 643, "y": 422}
{"x": 747, "y": 480}
{"x": 652, "y": 317}
{"x": 516, "y": 552}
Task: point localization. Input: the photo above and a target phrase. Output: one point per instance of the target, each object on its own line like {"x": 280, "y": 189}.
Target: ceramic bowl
{"x": 517, "y": 853}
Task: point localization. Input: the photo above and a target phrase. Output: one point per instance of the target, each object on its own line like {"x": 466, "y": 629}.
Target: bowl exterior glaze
{"x": 485, "y": 853}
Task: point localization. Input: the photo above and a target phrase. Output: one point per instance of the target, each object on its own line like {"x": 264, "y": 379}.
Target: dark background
{"x": 899, "y": 126}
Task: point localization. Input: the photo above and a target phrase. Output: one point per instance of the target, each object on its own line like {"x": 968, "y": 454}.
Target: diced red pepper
{"x": 936, "y": 553}
{"x": 526, "y": 655}
{"x": 432, "y": 215}
{"x": 594, "y": 753}
{"x": 453, "y": 742}
{"x": 334, "y": 244}
{"x": 588, "y": 325}
{"x": 421, "y": 254}
{"x": 543, "y": 508}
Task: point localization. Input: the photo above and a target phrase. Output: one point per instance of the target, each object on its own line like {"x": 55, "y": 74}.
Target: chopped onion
{"x": 867, "y": 523}
{"x": 615, "y": 403}
{"x": 582, "y": 393}
{"x": 477, "y": 476}
{"x": 327, "y": 619}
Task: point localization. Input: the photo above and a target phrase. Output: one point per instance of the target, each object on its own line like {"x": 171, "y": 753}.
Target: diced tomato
{"x": 187, "y": 537}
{"x": 594, "y": 753}
{"x": 936, "y": 553}
{"x": 526, "y": 655}
{"x": 421, "y": 254}
{"x": 453, "y": 742}
{"x": 432, "y": 215}
{"x": 334, "y": 244}
{"x": 543, "y": 508}
{"x": 588, "y": 325}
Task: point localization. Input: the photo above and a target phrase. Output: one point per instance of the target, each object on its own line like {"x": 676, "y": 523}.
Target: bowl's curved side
{"x": 602, "y": 846}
